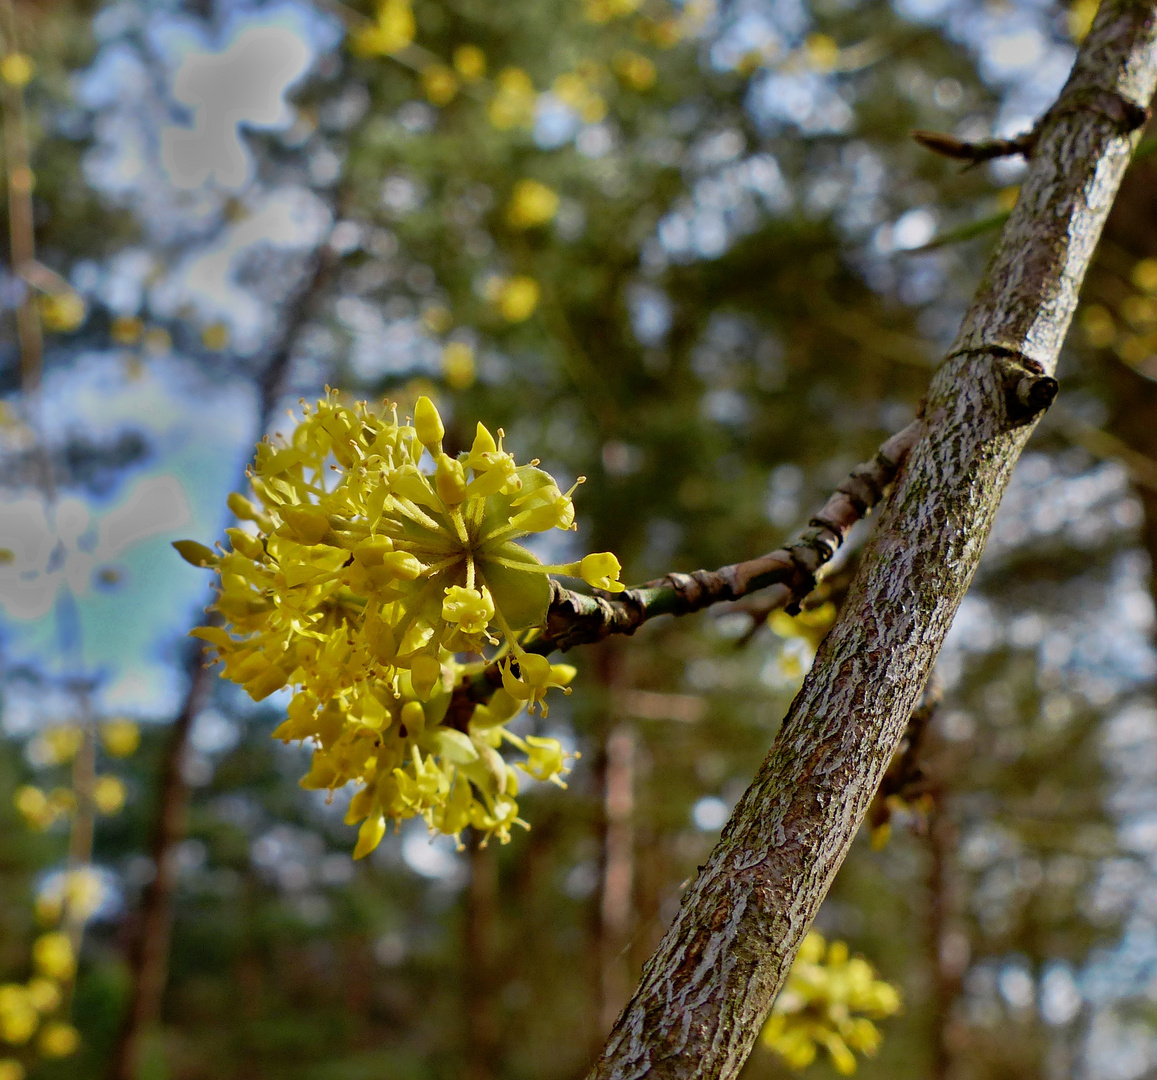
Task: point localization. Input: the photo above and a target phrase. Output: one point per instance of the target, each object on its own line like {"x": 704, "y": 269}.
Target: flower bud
{"x": 428, "y": 424}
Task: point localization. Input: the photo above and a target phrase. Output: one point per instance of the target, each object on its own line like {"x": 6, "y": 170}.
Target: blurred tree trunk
{"x": 947, "y": 942}
{"x": 478, "y": 958}
{"x": 616, "y": 911}
{"x": 705, "y": 992}
{"x": 614, "y": 775}
{"x": 149, "y": 948}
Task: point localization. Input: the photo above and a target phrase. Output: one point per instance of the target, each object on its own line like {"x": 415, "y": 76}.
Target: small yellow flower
{"x": 62, "y": 312}
{"x": 58, "y": 1040}
{"x": 393, "y": 30}
{"x": 458, "y": 365}
{"x": 821, "y": 51}
{"x": 635, "y": 70}
{"x": 44, "y": 995}
{"x": 11, "y": 1069}
{"x": 108, "y": 793}
{"x": 1145, "y": 275}
{"x": 16, "y": 69}
{"x": 215, "y": 337}
{"x": 1080, "y": 18}
{"x": 57, "y": 746}
{"x": 535, "y": 676}
{"x": 120, "y": 737}
{"x": 517, "y": 298}
{"x": 545, "y": 758}
{"x": 33, "y": 805}
{"x": 126, "y": 330}
{"x": 440, "y": 84}
{"x": 514, "y": 100}
{"x": 531, "y": 204}
{"x": 82, "y": 892}
{"x": 471, "y": 610}
{"x": 18, "y": 1015}
{"x": 470, "y": 62}
{"x": 53, "y": 957}
{"x": 601, "y": 571}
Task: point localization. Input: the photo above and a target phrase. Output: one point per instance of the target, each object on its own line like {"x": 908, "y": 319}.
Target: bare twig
{"x": 1126, "y": 114}
{"x": 974, "y": 153}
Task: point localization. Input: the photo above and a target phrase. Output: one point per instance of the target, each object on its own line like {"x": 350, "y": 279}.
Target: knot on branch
{"x": 578, "y": 619}
{"x": 1028, "y": 391}
{"x": 1034, "y": 394}
{"x": 1126, "y": 114}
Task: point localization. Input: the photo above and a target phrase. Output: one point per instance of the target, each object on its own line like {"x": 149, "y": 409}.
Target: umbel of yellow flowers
{"x": 366, "y": 582}
{"x": 830, "y": 999}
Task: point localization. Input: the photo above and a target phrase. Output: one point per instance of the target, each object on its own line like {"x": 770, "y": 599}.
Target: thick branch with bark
{"x": 706, "y": 991}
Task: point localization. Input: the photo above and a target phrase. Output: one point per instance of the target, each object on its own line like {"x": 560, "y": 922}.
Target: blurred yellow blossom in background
{"x": 531, "y": 203}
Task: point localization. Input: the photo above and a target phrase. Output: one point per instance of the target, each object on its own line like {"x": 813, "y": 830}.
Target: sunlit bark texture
{"x": 703, "y": 995}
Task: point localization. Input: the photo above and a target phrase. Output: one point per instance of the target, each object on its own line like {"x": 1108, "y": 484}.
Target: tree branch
{"x": 706, "y": 991}
{"x": 788, "y": 574}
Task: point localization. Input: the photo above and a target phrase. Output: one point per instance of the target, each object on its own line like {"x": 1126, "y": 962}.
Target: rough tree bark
{"x": 707, "y": 989}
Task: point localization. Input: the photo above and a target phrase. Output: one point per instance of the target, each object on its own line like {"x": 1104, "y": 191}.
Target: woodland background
{"x": 727, "y": 280}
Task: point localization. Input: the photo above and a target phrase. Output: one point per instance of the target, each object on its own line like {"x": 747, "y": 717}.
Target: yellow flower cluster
{"x": 818, "y": 1006}
{"x": 389, "y": 33}
{"x": 516, "y": 298}
{"x": 514, "y": 100}
{"x": 603, "y": 11}
{"x": 67, "y": 900}
{"x": 365, "y": 574}
{"x": 16, "y": 69}
{"x": 635, "y": 70}
{"x": 580, "y": 90}
{"x": 59, "y": 746}
{"x": 531, "y": 204}
{"x": 26, "y": 1008}
{"x": 62, "y": 312}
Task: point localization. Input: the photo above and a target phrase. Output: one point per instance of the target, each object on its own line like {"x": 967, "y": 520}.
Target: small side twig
{"x": 1126, "y": 114}
{"x": 974, "y": 153}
